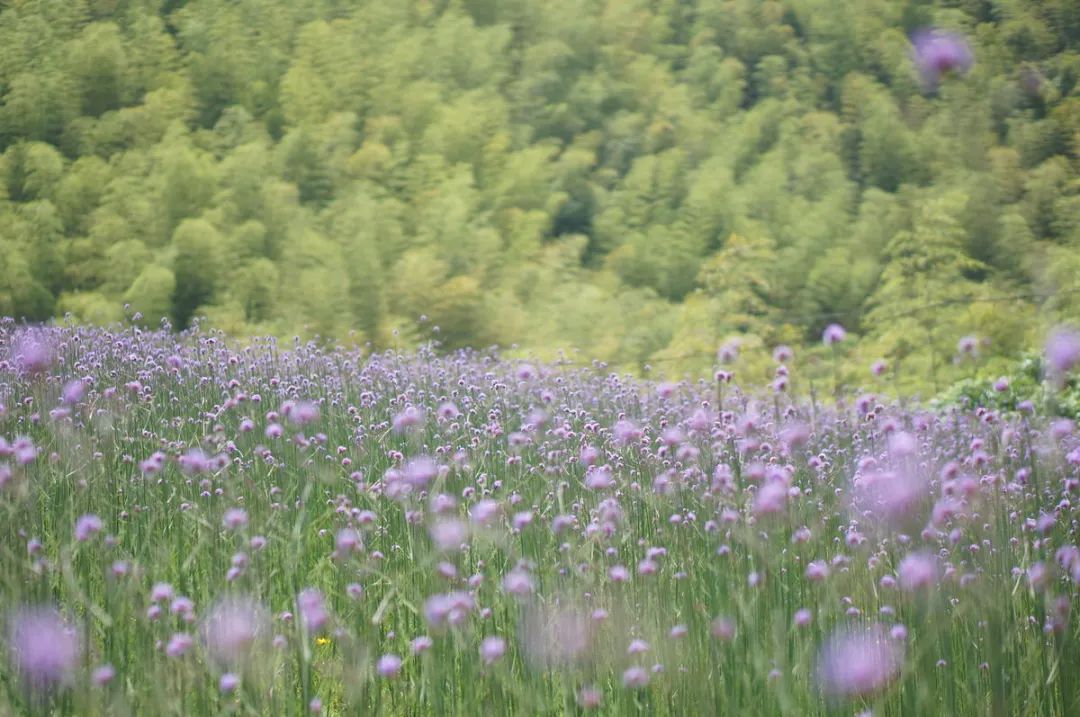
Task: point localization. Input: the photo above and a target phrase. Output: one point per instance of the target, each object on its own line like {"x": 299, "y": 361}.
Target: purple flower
{"x": 312, "y": 609}
{"x": 32, "y": 353}
{"x": 449, "y": 535}
{"x": 634, "y": 678}
{"x": 937, "y": 53}
{"x": 484, "y": 512}
{"x": 1063, "y": 350}
{"x": 771, "y": 498}
{"x": 179, "y": 644}
{"x": 552, "y": 636}
{"x": 833, "y": 334}
{"x": 232, "y": 630}
{"x": 410, "y": 418}
{"x": 518, "y": 582}
{"x": 389, "y": 666}
{"x": 73, "y": 391}
{"x": 86, "y": 527}
{"x": 102, "y": 675}
{"x": 235, "y": 518}
{"x": 228, "y": 683}
{"x": 917, "y": 571}
{"x": 448, "y": 609}
{"x": 859, "y": 663}
{"x": 44, "y": 648}
{"x": 589, "y": 698}
{"x": 348, "y": 541}
{"x": 492, "y": 648}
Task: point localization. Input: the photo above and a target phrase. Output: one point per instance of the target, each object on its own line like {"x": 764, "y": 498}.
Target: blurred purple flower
{"x": 937, "y": 53}
{"x": 312, "y": 609}
{"x": 833, "y": 334}
{"x": 1063, "y": 350}
{"x": 44, "y": 648}
{"x": 86, "y": 527}
{"x": 32, "y": 353}
{"x": 859, "y": 663}
{"x": 232, "y": 629}
{"x": 492, "y": 648}
{"x": 389, "y": 666}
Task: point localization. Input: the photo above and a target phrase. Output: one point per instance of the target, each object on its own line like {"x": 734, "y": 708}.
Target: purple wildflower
{"x": 86, "y": 527}
{"x": 833, "y": 334}
{"x": 44, "y": 648}
{"x": 312, "y": 610}
{"x": 492, "y": 648}
{"x": 1063, "y": 350}
{"x": 389, "y": 666}
{"x": 233, "y": 628}
{"x": 859, "y": 663}
{"x": 937, "y": 53}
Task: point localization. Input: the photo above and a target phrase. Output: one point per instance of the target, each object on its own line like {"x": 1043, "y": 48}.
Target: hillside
{"x": 639, "y": 180}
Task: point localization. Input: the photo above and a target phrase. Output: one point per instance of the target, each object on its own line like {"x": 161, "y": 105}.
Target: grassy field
{"x": 192, "y": 528}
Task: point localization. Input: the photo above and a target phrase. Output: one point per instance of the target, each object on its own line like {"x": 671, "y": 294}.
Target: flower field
{"x": 194, "y": 527}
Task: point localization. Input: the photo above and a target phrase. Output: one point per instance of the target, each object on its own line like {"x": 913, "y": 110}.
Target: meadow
{"x": 191, "y": 526}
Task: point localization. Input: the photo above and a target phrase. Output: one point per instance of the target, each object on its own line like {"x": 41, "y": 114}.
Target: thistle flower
{"x": 833, "y": 334}
{"x": 937, "y": 53}
{"x": 635, "y": 678}
{"x": 859, "y": 663}
{"x": 32, "y": 353}
{"x": 312, "y": 610}
{"x": 235, "y": 518}
{"x": 492, "y": 648}
{"x": 179, "y": 645}
{"x": 228, "y": 683}
{"x": 232, "y": 630}
{"x": 44, "y": 649}
{"x": 1063, "y": 350}
{"x": 389, "y": 666}
{"x": 771, "y": 498}
{"x": 917, "y": 571}
{"x": 86, "y": 527}
{"x": 103, "y": 675}
{"x": 449, "y": 535}
{"x": 73, "y": 391}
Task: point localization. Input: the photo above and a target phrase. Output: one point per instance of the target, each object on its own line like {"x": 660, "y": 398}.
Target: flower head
{"x": 833, "y": 334}
{"x": 859, "y": 663}
{"x": 44, "y": 648}
{"x": 232, "y": 629}
{"x": 937, "y": 53}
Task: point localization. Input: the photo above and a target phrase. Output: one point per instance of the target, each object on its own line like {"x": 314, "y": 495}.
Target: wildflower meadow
{"x": 194, "y": 526}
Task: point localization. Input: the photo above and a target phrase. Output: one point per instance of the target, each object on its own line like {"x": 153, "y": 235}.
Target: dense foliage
{"x": 637, "y": 179}
{"x": 194, "y": 527}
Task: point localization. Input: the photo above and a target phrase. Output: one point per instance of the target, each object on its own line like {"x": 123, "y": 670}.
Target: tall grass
{"x": 714, "y": 574}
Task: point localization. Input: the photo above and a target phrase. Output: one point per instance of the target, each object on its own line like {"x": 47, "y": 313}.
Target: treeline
{"x": 641, "y": 180}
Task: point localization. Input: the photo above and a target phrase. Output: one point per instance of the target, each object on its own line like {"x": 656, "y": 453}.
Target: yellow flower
{"x": 322, "y": 640}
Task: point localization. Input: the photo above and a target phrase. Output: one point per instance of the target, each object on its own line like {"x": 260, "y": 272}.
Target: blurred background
{"x": 642, "y": 182}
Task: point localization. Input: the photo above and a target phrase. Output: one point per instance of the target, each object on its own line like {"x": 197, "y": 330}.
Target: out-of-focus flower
{"x": 492, "y": 648}
{"x": 389, "y": 666}
{"x": 937, "y": 53}
{"x": 1062, "y": 351}
{"x": 859, "y": 663}
{"x": 312, "y": 609}
{"x": 917, "y": 571}
{"x": 232, "y": 630}
{"x": 44, "y": 648}
{"x": 833, "y": 334}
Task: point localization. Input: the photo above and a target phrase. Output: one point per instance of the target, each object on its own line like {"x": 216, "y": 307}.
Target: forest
{"x": 640, "y": 182}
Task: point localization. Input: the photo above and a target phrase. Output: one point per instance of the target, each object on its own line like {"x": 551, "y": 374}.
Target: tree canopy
{"x": 636, "y": 180}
